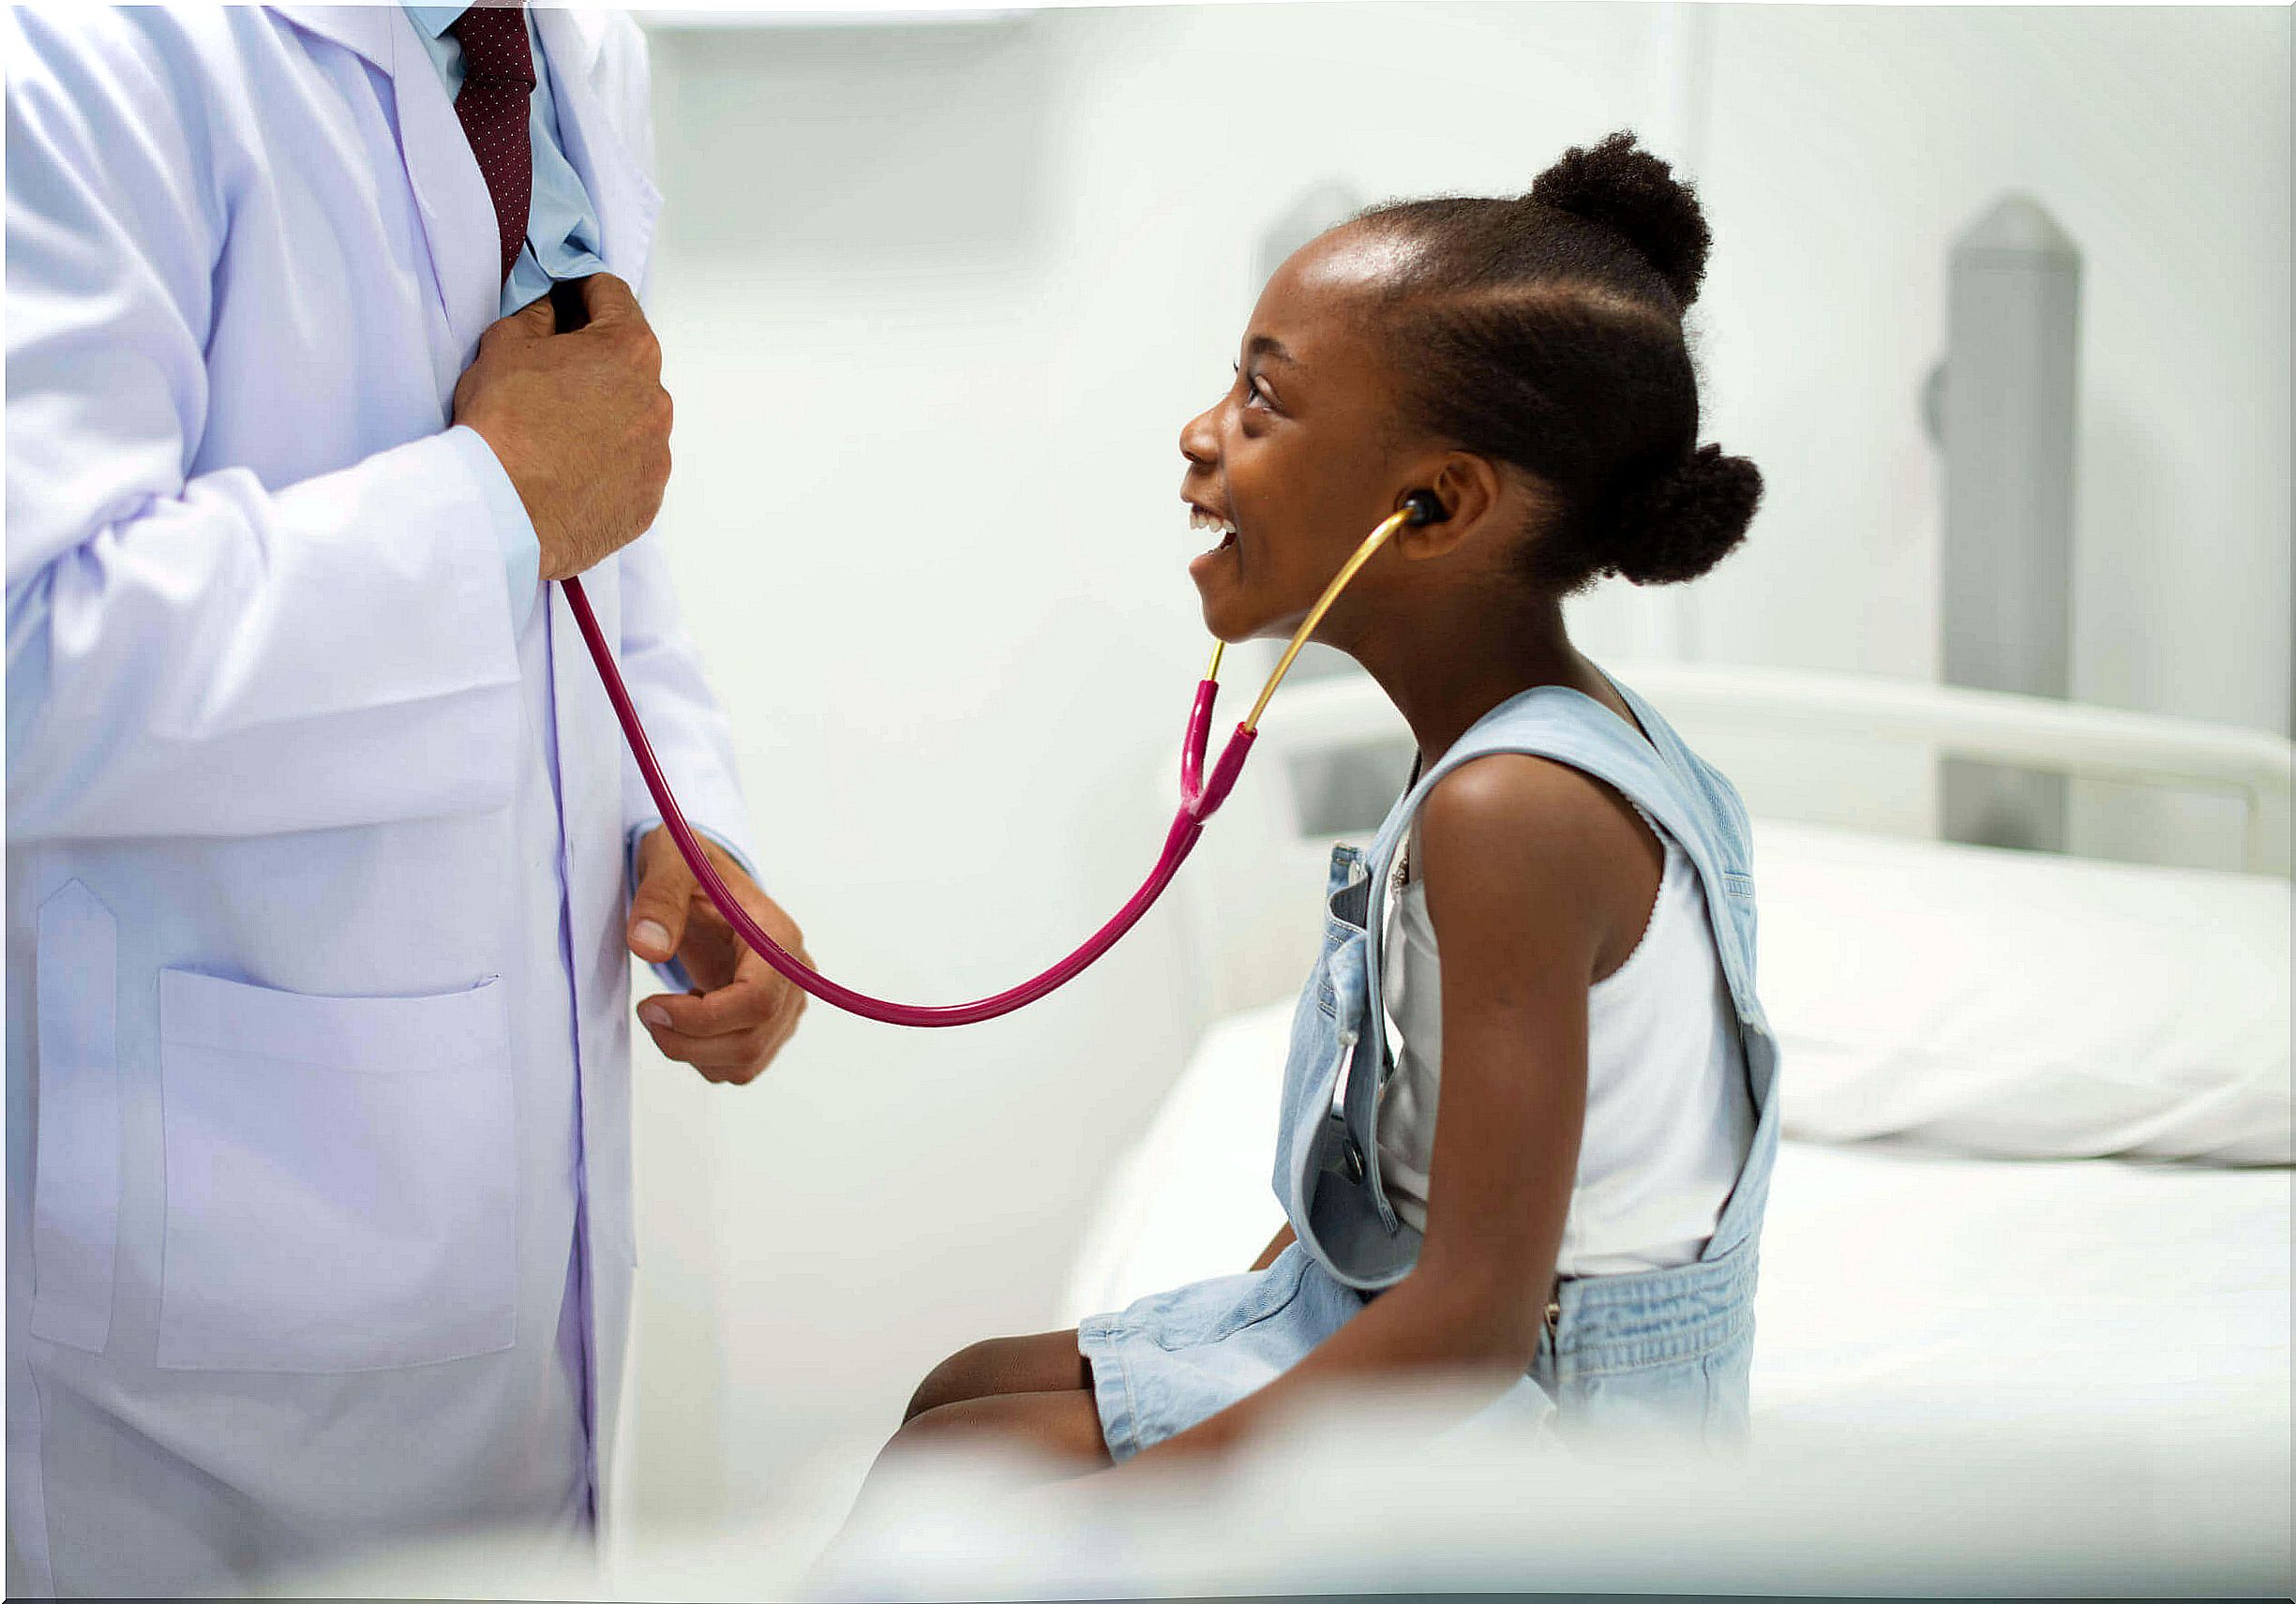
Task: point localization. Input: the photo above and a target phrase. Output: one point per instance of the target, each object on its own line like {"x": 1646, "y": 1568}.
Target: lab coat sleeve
{"x": 691, "y": 737}
{"x": 690, "y": 732}
{"x": 199, "y": 652}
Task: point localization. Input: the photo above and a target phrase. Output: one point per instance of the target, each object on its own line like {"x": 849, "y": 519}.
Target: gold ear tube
{"x": 1348, "y": 570}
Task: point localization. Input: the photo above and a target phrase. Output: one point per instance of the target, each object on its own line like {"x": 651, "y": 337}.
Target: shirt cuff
{"x": 521, "y": 547}
{"x": 672, "y": 974}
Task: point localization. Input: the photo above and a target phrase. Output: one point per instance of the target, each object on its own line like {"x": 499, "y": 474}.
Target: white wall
{"x": 936, "y": 300}
{"x": 1848, "y": 147}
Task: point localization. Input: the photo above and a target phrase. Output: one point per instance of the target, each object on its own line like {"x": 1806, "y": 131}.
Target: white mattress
{"x": 1897, "y": 1289}
{"x": 1901, "y": 1287}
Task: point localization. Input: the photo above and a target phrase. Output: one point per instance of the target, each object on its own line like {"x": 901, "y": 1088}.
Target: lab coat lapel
{"x": 626, "y": 201}
{"x": 364, "y": 29}
{"x": 450, "y": 194}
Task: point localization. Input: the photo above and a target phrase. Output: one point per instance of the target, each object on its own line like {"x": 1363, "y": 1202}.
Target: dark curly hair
{"x": 1546, "y": 331}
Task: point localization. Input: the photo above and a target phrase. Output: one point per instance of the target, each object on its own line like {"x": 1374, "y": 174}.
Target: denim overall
{"x": 1662, "y": 1351}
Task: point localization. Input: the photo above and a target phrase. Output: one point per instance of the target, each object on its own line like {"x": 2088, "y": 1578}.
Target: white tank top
{"x": 1669, "y": 1117}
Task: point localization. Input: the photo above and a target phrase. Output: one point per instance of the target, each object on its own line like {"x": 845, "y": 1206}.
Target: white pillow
{"x": 2024, "y": 1005}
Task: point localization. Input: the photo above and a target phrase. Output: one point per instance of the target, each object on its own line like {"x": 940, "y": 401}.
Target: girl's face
{"x": 1298, "y": 457}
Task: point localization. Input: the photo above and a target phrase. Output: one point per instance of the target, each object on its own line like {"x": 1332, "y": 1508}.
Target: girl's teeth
{"x": 1200, "y": 519}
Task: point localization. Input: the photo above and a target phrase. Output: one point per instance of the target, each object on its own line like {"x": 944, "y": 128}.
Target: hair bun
{"x": 1623, "y": 187}
{"x": 1684, "y": 522}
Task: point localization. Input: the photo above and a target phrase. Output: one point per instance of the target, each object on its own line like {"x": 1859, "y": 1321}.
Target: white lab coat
{"x": 318, "y": 1055}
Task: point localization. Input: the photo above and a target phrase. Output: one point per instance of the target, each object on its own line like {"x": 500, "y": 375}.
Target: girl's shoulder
{"x": 1512, "y": 836}
{"x": 1522, "y": 802}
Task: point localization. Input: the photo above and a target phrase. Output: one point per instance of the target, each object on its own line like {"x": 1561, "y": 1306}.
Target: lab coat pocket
{"x": 341, "y": 1185}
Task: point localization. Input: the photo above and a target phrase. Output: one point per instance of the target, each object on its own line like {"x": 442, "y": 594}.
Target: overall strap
{"x": 1741, "y": 1216}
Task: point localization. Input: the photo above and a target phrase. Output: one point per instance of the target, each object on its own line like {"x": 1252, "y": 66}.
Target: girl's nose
{"x": 1200, "y": 438}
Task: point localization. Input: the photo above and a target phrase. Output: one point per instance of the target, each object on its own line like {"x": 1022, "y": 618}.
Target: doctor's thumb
{"x": 658, "y": 909}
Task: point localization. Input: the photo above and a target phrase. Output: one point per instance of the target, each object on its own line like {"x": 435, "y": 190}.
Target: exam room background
{"x": 935, "y": 298}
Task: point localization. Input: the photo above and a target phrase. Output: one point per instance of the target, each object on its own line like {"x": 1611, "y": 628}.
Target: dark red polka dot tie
{"x": 498, "y": 83}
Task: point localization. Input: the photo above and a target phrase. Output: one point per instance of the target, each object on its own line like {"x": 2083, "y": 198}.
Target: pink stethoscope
{"x": 1201, "y": 795}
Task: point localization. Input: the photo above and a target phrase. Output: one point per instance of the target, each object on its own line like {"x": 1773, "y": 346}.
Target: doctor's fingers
{"x": 735, "y": 1058}
{"x": 758, "y": 1017}
{"x": 787, "y": 998}
{"x": 743, "y": 1004}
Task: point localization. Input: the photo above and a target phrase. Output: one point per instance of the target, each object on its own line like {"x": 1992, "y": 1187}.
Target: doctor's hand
{"x": 579, "y": 421}
{"x": 744, "y": 1011}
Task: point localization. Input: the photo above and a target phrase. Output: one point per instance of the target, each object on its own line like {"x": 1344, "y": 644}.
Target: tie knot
{"x": 494, "y": 48}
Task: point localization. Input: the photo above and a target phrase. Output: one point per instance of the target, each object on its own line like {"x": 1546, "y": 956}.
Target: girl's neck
{"x": 1445, "y": 677}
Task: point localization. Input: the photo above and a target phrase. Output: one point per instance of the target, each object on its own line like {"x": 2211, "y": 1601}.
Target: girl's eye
{"x": 1251, "y": 388}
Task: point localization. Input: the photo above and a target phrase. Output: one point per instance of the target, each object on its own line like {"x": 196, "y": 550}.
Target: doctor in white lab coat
{"x": 322, "y": 839}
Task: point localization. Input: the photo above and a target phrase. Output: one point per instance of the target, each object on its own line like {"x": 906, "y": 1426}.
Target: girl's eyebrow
{"x": 1268, "y": 345}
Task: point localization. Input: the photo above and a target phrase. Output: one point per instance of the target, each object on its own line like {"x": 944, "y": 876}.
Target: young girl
{"x": 1570, "y": 961}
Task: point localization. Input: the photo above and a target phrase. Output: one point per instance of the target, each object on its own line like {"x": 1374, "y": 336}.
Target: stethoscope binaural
{"x": 1201, "y": 793}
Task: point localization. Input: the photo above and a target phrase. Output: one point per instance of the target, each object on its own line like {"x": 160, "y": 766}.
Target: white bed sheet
{"x": 1903, "y": 1287}
{"x": 1898, "y": 1288}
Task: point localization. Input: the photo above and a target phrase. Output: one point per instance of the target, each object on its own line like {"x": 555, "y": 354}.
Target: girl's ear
{"x": 1469, "y": 487}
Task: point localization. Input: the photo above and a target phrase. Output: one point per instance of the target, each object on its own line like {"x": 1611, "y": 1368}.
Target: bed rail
{"x": 1994, "y": 727}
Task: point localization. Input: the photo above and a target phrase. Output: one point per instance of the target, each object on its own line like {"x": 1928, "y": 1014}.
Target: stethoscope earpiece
{"x": 1424, "y": 508}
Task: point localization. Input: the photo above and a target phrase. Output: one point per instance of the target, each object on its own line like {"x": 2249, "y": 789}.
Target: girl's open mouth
{"x": 1212, "y": 523}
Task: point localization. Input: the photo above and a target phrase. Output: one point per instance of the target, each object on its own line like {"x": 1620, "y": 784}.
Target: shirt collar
{"x": 434, "y": 20}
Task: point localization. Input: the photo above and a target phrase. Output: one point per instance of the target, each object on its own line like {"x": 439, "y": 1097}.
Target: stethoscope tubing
{"x": 1201, "y": 794}
{"x": 1180, "y": 840}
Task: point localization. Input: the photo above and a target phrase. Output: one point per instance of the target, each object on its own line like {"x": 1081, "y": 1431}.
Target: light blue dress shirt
{"x": 562, "y": 242}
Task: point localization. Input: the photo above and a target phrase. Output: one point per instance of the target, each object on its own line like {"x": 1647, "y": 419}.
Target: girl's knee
{"x": 960, "y": 1376}
{"x": 1046, "y": 1362}
{"x": 1060, "y": 1427}
{"x": 934, "y": 1423}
